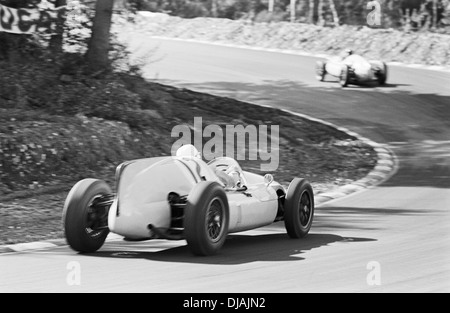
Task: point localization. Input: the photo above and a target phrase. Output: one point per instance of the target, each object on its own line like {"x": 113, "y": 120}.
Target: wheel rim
{"x": 215, "y": 220}
{"x": 343, "y": 79}
{"x": 305, "y": 209}
{"x": 96, "y": 218}
{"x": 319, "y": 72}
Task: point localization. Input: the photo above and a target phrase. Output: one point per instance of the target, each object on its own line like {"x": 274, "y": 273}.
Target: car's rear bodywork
{"x": 183, "y": 197}
{"x": 354, "y": 69}
{"x": 152, "y": 195}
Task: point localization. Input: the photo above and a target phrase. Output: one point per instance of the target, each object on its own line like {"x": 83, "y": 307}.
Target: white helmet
{"x": 188, "y": 151}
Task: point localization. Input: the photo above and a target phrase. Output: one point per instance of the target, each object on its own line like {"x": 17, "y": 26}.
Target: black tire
{"x": 382, "y": 77}
{"x": 79, "y": 217}
{"x": 320, "y": 71}
{"x": 344, "y": 78}
{"x": 299, "y": 208}
{"x": 206, "y": 218}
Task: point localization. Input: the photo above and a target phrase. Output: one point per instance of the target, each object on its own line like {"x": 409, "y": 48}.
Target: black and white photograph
{"x": 231, "y": 154}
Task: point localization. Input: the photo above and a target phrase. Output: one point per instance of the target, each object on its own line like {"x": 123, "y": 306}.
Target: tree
{"x": 253, "y": 8}
{"x": 214, "y": 8}
{"x": 321, "y": 20}
{"x": 98, "y": 49}
{"x": 311, "y": 12}
{"x": 435, "y": 13}
{"x": 335, "y": 13}
{"x": 271, "y": 5}
{"x": 56, "y": 40}
{"x": 293, "y": 10}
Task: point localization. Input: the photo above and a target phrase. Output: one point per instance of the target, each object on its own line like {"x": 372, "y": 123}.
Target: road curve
{"x": 391, "y": 238}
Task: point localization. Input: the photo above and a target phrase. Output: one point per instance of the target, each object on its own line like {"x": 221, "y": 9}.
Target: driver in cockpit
{"x": 229, "y": 176}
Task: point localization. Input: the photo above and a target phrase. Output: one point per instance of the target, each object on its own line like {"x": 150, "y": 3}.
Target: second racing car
{"x": 351, "y": 68}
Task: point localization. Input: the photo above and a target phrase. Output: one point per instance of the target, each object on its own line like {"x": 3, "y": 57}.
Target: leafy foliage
{"x": 77, "y": 26}
{"x": 49, "y": 121}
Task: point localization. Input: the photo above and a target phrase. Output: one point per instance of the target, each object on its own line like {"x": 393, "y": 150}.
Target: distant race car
{"x": 183, "y": 197}
{"x": 352, "y": 68}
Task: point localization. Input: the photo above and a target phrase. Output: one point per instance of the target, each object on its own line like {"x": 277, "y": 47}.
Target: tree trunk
{"x": 252, "y": 15}
{"x": 271, "y": 5}
{"x": 214, "y": 8}
{"x": 408, "y": 20}
{"x": 320, "y": 20}
{"x": 293, "y": 10}
{"x": 435, "y": 13}
{"x": 335, "y": 13}
{"x": 98, "y": 49}
{"x": 311, "y": 12}
{"x": 56, "y": 40}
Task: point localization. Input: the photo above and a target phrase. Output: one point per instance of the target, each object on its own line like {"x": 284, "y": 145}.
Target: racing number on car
{"x": 374, "y": 16}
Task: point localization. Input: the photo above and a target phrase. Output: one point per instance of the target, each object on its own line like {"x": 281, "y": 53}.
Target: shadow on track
{"x": 238, "y": 249}
{"x": 371, "y": 85}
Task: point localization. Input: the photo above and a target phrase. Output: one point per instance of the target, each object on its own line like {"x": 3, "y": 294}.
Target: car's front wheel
{"x": 299, "y": 208}
{"x": 382, "y": 76}
{"x": 320, "y": 71}
{"x": 206, "y": 218}
{"x": 85, "y": 215}
{"x": 344, "y": 78}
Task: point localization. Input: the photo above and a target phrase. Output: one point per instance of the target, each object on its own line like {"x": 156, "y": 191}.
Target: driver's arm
{"x": 226, "y": 179}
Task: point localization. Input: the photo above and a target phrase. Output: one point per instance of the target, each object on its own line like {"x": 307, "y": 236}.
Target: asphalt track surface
{"x": 391, "y": 238}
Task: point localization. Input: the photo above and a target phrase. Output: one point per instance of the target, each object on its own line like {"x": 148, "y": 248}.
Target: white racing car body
{"x": 152, "y": 181}
{"x": 183, "y": 197}
{"x": 352, "y": 69}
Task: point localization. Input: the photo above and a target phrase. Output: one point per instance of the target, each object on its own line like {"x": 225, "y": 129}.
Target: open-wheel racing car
{"x": 183, "y": 197}
{"x": 352, "y": 68}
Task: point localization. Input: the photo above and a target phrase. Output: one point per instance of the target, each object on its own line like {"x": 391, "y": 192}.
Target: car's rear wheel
{"x": 320, "y": 71}
{"x": 382, "y": 76}
{"x": 299, "y": 208}
{"x": 206, "y": 218}
{"x": 344, "y": 78}
{"x": 85, "y": 215}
